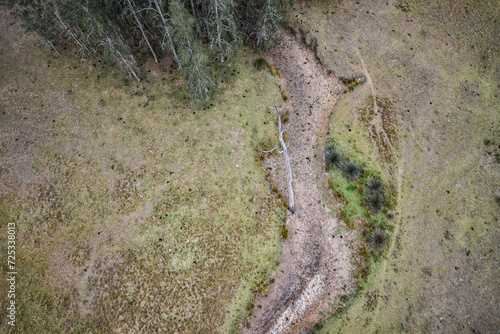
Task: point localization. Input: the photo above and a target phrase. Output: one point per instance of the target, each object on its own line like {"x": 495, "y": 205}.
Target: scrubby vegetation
{"x": 378, "y": 239}
{"x": 361, "y": 196}
{"x": 262, "y": 63}
{"x": 403, "y": 6}
{"x": 375, "y": 185}
{"x": 375, "y": 201}
{"x": 351, "y": 83}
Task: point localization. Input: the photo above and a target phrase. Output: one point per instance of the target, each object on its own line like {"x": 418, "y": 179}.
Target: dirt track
{"x": 316, "y": 257}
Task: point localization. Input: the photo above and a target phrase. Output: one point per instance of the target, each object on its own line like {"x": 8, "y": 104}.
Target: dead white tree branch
{"x": 166, "y": 35}
{"x": 133, "y": 11}
{"x": 284, "y": 151}
{"x": 270, "y": 151}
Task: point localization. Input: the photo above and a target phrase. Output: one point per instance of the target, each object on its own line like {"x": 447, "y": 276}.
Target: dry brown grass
{"x": 435, "y": 92}
{"x": 136, "y": 210}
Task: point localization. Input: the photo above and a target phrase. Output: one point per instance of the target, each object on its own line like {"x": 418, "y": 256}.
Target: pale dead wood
{"x": 284, "y": 151}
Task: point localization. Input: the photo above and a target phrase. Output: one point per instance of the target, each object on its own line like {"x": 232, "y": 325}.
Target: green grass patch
{"x": 373, "y": 228}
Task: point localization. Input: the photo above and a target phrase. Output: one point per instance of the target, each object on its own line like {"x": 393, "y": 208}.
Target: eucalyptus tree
{"x": 267, "y": 25}
{"x": 36, "y": 19}
{"x": 130, "y": 8}
{"x": 220, "y": 26}
{"x": 194, "y": 33}
{"x": 71, "y": 29}
{"x": 191, "y": 52}
{"x": 104, "y": 32}
{"x": 260, "y": 20}
{"x": 161, "y": 24}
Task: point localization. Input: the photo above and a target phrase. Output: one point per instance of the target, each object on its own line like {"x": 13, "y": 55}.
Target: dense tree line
{"x": 195, "y": 33}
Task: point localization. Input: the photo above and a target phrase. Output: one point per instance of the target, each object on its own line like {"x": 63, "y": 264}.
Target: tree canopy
{"x": 194, "y": 33}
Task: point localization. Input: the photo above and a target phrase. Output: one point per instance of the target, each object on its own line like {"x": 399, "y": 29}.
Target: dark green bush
{"x": 375, "y": 185}
{"x": 375, "y": 201}
{"x": 351, "y": 170}
{"x": 261, "y": 63}
{"x": 333, "y": 158}
{"x": 378, "y": 239}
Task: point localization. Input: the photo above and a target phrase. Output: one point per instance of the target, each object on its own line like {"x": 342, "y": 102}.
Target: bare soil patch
{"x": 316, "y": 260}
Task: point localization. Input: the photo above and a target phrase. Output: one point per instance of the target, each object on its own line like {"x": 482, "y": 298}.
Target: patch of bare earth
{"x": 315, "y": 264}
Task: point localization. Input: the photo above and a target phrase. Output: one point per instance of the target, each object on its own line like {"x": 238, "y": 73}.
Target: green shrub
{"x": 351, "y": 170}
{"x": 284, "y": 231}
{"x": 375, "y": 185}
{"x": 333, "y": 158}
{"x": 283, "y": 95}
{"x": 378, "y": 239}
{"x": 260, "y": 285}
{"x": 375, "y": 201}
{"x": 261, "y": 63}
{"x": 403, "y": 6}
{"x": 351, "y": 188}
{"x": 345, "y": 217}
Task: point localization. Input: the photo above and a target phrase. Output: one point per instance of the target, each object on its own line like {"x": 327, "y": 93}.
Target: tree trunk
{"x": 169, "y": 38}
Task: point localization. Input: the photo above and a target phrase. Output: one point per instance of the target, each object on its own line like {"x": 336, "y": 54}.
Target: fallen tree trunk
{"x": 284, "y": 151}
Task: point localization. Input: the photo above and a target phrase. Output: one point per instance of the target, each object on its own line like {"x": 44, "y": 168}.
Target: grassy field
{"x": 426, "y": 120}
{"x": 136, "y": 210}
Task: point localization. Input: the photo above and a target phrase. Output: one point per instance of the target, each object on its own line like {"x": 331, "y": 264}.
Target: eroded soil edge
{"x": 316, "y": 257}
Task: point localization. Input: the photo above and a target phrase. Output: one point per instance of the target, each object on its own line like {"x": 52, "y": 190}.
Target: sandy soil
{"x": 316, "y": 261}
